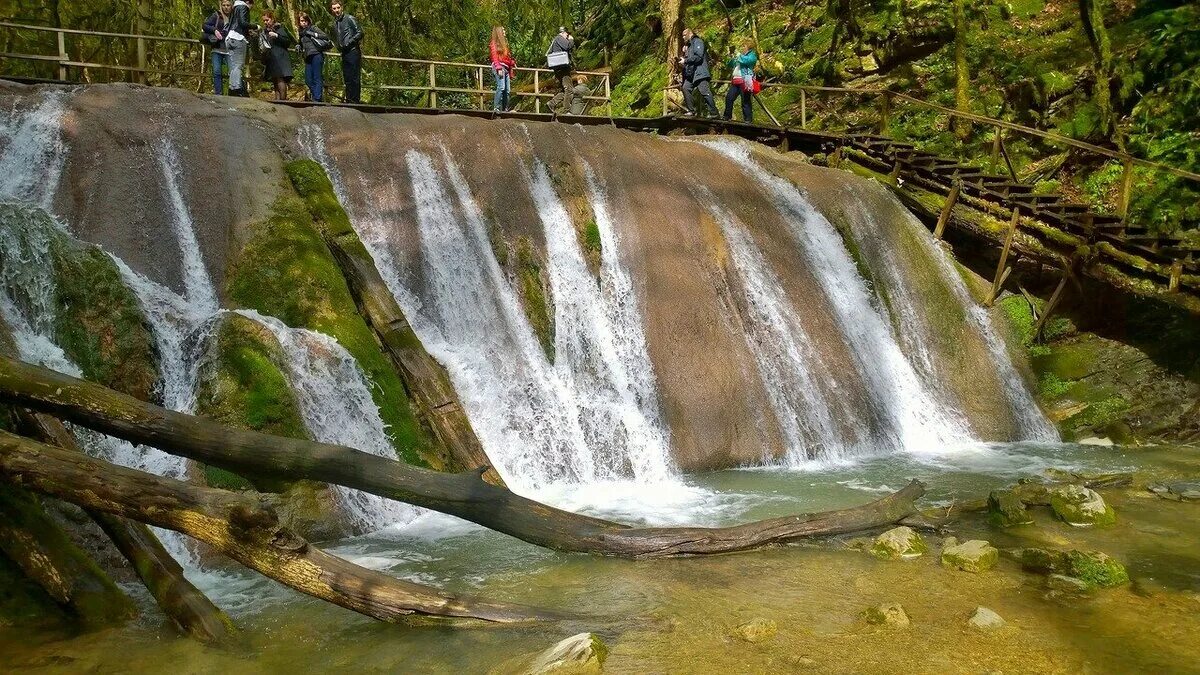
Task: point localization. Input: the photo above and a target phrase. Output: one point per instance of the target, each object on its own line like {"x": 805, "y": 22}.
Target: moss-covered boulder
{"x": 1080, "y": 506}
{"x": 1005, "y": 509}
{"x": 77, "y": 289}
{"x": 897, "y": 543}
{"x": 1092, "y": 568}
{"x": 286, "y": 270}
{"x": 578, "y": 654}
{"x": 971, "y": 556}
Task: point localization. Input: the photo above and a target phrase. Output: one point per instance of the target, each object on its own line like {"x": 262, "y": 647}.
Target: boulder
{"x": 1092, "y": 569}
{"x": 1080, "y": 507}
{"x": 582, "y": 653}
{"x": 900, "y": 542}
{"x": 985, "y": 619}
{"x": 971, "y": 556}
{"x": 756, "y": 631}
{"x": 1184, "y": 491}
{"x": 1066, "y": 584}
{"x": 1005, "y": 509}
{"x": 886, "y": 615}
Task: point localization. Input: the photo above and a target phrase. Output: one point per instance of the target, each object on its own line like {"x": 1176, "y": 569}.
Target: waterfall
{"x": 32, "y": 162}
{"x": 198, "y": 287}
{"x": 800, "y": 388}
{"x": 594, "y": 415}
{"x": 336, "y": 405}
{"x": 916, "y": 420}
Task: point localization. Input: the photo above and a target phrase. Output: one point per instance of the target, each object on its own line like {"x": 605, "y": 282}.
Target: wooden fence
{"x": 71, "y": 55}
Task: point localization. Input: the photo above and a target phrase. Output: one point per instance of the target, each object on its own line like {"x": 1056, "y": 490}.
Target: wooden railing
{"x": 186, "y": 63}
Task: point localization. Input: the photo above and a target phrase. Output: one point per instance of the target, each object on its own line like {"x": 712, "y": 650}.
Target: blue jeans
{"x": 503, "y": 89}
{"x": 220, "y": 61}
{"x": 736, "y": 90}
{"x": 314, "y": 75}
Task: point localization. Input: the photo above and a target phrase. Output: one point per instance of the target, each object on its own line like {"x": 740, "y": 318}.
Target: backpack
{"x": 321, "y": 42}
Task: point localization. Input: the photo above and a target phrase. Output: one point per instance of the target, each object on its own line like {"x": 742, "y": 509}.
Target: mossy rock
{"x": 1080, "y": 506}
{"x": 886, "y": 615}
{"x": 285, "y": 270}
{"x": 898, "y": 543}
{"x": 1093, "y": 568}
{"x": 243, "y": 386}
{"x": 533, "y": 288}
{"x": 1005, "y": 509}
{"x": 973, "y": 556}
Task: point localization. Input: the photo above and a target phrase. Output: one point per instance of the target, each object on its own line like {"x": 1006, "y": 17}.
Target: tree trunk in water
{"x": 464, "y": 495}
{"x": 239, "y": 525}
{"x": 184, "y": 604}
{"x": 34, "y": 541}
{"x": 1097, "y": 34}
{"x": 962, "y": 74}
{"x": 671, "y": 12}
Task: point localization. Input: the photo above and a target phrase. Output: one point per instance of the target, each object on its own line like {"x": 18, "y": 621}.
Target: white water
{"x": 336, "y": 406}
{"x": 916, "y": 422}
{"x": 591, "y": 417}
{"x": 33, "y": 159}
{"x": 801, "y": 389}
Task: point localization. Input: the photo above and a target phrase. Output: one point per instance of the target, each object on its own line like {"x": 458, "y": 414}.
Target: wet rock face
{"x": 900, "y": 542}
{"x": 1005, "y": 509}
{"x": 1080, "y": 506}
{"x": 578, "y": 654}
{"x": 971, "y": 556}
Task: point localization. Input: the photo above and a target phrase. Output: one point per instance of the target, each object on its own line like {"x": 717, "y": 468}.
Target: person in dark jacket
{"x": 696, "y": 75}
{"x": 276, "y": 42}
{"x": 216, "y": 27}
{"x": 347, "y": 37}
{"x": 563, "y": 43}
{"x": 741, "y": 81}
{"x": 313, "y": 45}
{"x": 237, "y": 41}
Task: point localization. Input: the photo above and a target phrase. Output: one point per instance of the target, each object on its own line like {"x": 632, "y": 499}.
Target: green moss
{"x": 1052, "y": 388}
{"x": 537, "y": 309}
{"x": 99, "y": 323}
{"x": 1097, "y": 570}
{"x": 23, "y": 602}
{"x": 591, "y": 238}
{"x": 286, "y": 270}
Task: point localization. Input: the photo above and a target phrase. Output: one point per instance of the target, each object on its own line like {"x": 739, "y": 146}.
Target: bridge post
{"x": 537, "y": 91}
{"x": 803, "y": 109}
{"x": 479, "y": 86}
{"x": 997, "y": 135}
{"x": 885, "y": 113}
{"x": 1126, "y": 186}
{"x": 433, "y": 103}
{"x": 1002, "y": 270}
{"x": 944, "y": 218}
{"x": 62, "y": 54}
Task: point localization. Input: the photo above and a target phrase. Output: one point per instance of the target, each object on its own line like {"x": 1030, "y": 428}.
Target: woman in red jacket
{"x": 503, "y": 66}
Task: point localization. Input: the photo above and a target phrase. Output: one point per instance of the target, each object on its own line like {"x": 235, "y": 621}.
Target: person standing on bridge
{"x": 216, "y": 27}
{"x": 560, "y": 60}
{"x": 347, "y": 35}
{"x": 503, "y": 65}
{"x": 276, "y": 42}
{"x": 696, "y": 74}
{"x": 742, "y": 81}
{"x": 313, "y": 45}
{"x": 237, "y": 41}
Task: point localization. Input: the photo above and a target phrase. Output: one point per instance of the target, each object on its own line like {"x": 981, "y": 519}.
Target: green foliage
{"x": 1052, "y": 388}
{"x": 1096, "y": 569}
{"x": 591, "y": 238}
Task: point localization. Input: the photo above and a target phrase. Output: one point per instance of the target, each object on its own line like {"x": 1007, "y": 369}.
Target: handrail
{"x": 432, "y": 89}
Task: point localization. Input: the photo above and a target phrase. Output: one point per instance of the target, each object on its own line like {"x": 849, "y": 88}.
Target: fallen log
{"x": 239, "y": 525}
{"x": 464, "y": 495}
{"x": 183, "y": 604}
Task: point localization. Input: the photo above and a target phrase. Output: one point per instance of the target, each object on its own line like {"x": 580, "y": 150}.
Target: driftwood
{"x": 464, "y": 495}
{"x": 239, "y": 525}
{"x": 191, "y": 612}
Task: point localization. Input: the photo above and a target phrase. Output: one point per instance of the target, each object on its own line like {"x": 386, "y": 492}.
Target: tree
{"x": 1097, "y": 34}
{"x": 962, "y": 73}
{"x": 671, "y": 12}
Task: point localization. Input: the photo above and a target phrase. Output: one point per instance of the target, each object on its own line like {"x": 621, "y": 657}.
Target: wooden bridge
{"x": 976, "y": 199}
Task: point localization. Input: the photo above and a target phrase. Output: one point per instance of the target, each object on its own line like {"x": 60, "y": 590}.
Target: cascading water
{"x": 916, "y": 422}
{"x": 33, "y": 159}
{"x": 801, "y": 389}
{"x": 336, "y": 405}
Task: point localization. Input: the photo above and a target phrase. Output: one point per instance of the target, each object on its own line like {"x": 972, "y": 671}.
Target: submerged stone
{"x": 1005, "y": 509}
{"x": 1093, "y": 569}
{"x": 1184, "y": 491}
{"x": 1066, "y": 584}
{"x": 892, "y": 614}
{"x": 985, "y": 619}
{"x": 756, "y": 631}
{"x": 900, "y": 542}
{"x": 1080, "y": 506}
{"x": 971, "y": 556}
{"x": 582, "y": 653}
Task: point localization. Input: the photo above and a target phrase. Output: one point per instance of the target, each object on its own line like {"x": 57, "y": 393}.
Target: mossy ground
{"x": 287, "y": 271}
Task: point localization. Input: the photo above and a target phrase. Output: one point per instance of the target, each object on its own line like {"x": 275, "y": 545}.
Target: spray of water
{"x": 35, "y": 154}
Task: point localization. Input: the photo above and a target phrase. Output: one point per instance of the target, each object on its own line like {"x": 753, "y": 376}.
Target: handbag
{"x": 557, "y": 59}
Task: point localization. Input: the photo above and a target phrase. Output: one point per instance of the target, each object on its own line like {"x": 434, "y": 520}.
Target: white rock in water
{"x": 985, "y": 619}
{"x": 1100, "y": 442}
{"x": 582, "y": 653}
{"x": 900, "y": 542}
{"x": 1080, "y": 506}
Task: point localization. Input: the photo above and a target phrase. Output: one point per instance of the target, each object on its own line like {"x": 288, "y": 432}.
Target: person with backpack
{"x": 237, "y": 41}
{"x": 313, "y": 45}
{"x": 503, "y": 66}
{"x": 274, "y": 44}
{"x": 216, "y": 27}
{"x": 696, "y": 74}
{"x": 347, "y": 37}
{"x": 742, "y": 81}
{"x": 559, "y": 60}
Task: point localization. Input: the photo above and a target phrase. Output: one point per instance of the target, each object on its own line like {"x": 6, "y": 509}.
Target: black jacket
{"x": 239, "y": 21}
{"x": 215, "y": 23}
{"x": 695, "y": 63}
{"x": 346, "y": 33}
{"x": 309, "y": 37}
{"x": 278, "y": 60}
